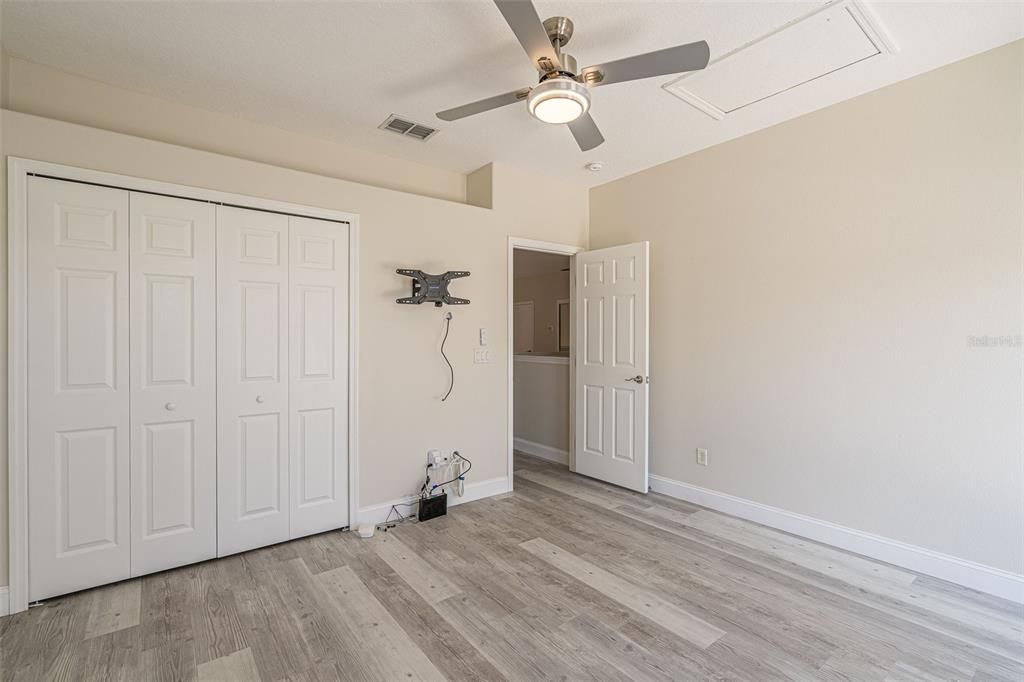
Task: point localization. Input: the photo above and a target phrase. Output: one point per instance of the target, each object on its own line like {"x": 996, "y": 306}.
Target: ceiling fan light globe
{"x": 558, "y": 110}
{"x": 558, "y": 100}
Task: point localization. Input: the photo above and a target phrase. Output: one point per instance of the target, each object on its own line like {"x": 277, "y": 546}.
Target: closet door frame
{"x": 18, "y": 171}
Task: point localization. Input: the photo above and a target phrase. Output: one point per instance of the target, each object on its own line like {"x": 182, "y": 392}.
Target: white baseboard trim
{"x": 960, "y": 571}
{"x": 5, "y": 601}
{"x": 376, "y": 513}
{"x": 540, "y": 450}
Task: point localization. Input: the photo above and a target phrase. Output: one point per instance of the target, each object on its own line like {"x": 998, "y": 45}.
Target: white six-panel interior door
{"x": 78, "y": 396}
{"x": 173, "y": 381}
{"x": 611, "y": 299}
{"x": 187, "y": 381}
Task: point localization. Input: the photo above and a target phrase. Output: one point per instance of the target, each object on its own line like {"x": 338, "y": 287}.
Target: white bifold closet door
{"x": 282, "y": 324}
{"x": 173, "y": 382}
{"x": 318, "y": 376}
{"x": 252, "y": 386}
{"x": 188, "y": 381}
{"x": 78, "y": 392}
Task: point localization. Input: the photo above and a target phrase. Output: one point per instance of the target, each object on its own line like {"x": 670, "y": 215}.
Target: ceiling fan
{"x": 562, "y": 94}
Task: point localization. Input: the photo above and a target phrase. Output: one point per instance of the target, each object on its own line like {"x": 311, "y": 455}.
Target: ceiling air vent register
{"x": 408, "y": 128}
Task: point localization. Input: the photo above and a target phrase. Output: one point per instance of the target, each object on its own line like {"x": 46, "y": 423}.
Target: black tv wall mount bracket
{"x": 432, "y": 288}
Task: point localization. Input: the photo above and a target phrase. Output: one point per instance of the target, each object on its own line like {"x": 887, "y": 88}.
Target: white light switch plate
{"x": 481, "y": 356}
{"x": 484, "y": 336}
{"x": 702, "y": 457}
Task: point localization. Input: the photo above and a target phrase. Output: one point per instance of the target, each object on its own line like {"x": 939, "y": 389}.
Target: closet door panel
{"x": 318, "y": 368}
{"x": 252, "y": 388}
{"x": 78, "y": 393}
{"x": 173, "y": 382}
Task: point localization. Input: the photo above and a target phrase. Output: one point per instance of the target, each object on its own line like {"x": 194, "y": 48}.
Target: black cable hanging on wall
{"x": 451, "y": 370}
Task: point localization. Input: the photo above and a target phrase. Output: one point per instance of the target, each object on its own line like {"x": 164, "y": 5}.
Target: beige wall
{"x": 44, "y": 91}
{"x": 541, "y": 402}
{"x": 4, "y": 63}
{"x": 814, "y": 288}
{"x": 4, "y": 80}
{"x": 479, "y": 184}
{"x": 544, "y": 290}
{"x": 539, "y": 207}
{"x": 402, "y": 374}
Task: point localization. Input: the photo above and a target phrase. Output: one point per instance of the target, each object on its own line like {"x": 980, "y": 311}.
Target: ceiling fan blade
{"x": 522, "y": 18}
{"x": 689, "y": 57}
{"x": 483, "y": 105}
{"x": 586, "y": 133}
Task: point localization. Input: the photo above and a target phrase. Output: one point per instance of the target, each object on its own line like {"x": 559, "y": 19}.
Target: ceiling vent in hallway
{"x": 408, "y": 128}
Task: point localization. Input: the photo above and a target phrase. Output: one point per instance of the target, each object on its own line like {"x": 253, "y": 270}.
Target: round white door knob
{"x": 259, "y": 399}
{"x": 170, "y": 407}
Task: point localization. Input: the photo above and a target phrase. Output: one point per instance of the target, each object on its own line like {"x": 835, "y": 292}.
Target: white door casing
{"x": 173, "y": 382}
{"x": 318, "y": 375}
{"x": 78, "y": 409}
{"x": 252, "y": 387}
{"x": 611, "y": 302}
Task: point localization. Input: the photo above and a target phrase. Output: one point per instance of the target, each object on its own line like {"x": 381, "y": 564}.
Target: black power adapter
{"x": 432, "y": 507}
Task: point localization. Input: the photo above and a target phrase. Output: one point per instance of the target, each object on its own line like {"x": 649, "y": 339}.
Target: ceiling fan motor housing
{"x": 568, "y": 67}
{"x": 559, "y": 30}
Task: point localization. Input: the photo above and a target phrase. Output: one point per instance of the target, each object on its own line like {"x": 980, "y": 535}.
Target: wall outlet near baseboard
{"x": 702, "y": 457}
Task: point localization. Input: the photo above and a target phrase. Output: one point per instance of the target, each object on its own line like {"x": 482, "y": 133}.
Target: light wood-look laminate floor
{"x": 566, "y": 578}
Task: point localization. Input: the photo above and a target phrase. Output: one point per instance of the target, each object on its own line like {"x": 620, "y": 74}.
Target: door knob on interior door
{"x": 170, "y": 407}
{"x": 259, "y": 399}
{"x": 638, "y": 379}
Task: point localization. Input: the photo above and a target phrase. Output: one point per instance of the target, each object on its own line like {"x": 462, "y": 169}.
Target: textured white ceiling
{"x": 337, "y": 69}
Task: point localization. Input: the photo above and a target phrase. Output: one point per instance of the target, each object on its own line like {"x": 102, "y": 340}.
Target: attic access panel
{"x": 829, "y": 39}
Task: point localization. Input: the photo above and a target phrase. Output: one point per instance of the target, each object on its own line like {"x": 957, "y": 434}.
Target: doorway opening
{"x": 541, "y": 354}
{"x": 604, "y": 357}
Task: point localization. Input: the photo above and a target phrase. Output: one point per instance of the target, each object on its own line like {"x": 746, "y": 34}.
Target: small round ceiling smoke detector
{"x": 595, "y": 166}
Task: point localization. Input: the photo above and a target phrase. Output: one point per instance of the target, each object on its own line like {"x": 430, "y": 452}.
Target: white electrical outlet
{"x": 702, "y": 457}
{"x": 484, "y": 337}
{"x": 435, "y": 458}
